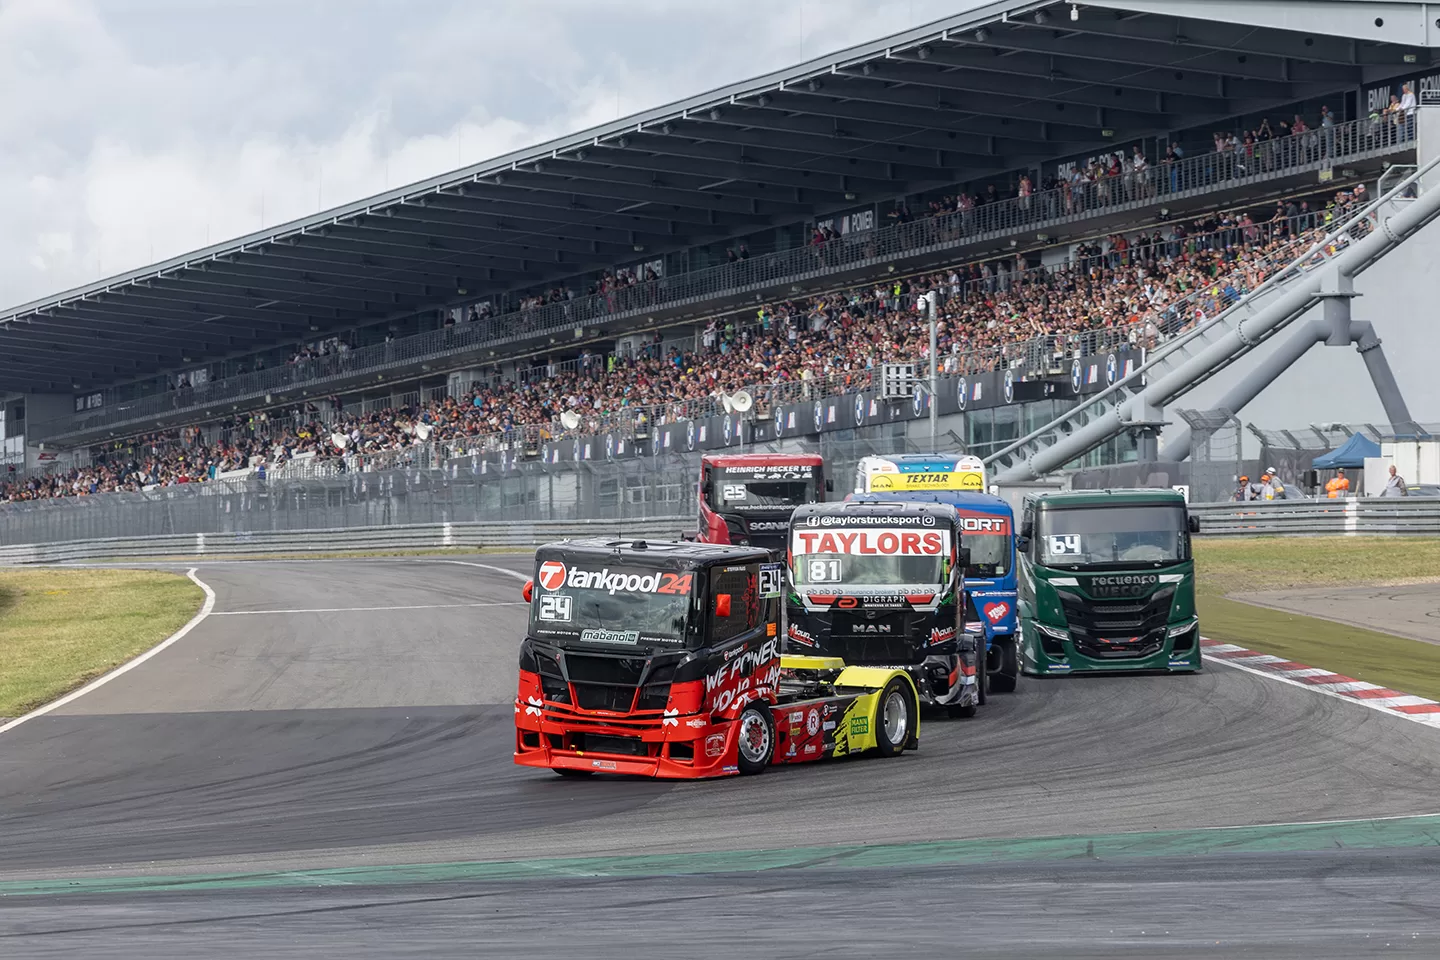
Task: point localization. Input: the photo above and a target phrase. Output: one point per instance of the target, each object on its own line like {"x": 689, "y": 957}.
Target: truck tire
{"x": 1008, "y": 675}
{"x": 894, "y": 721}
{"x": 754, "y": 739}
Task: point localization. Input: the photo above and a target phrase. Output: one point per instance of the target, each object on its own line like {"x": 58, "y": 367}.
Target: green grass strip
{"x": 62, "y": 628}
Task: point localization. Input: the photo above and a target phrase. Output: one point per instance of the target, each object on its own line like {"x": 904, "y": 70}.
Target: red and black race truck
{"x": 663, "y": 660}
{"x": 747, "y": 499}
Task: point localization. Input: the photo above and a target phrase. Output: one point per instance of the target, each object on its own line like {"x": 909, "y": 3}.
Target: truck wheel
{"x": 755, "y": 740}
{"x": 1006, "y": 677}
{"x": 572, "y": 774}
{"x": 895, "y": 711}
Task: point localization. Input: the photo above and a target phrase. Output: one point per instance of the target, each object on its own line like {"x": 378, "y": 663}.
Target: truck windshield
{"x": 987, "y": 537}
{"x": 616, "y": 607}
{"x": 1110, "y": 535}
{"x": 989, "y": 555}
{"x": 839, "y": 557}
{"x": 763, "y": 488}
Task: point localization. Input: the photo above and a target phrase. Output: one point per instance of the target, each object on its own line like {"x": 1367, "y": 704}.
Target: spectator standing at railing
{"x": 1395, "y": 485}
{"x": 1407, "y": 115}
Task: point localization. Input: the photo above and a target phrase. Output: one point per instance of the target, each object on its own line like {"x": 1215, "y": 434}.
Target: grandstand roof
{"x": 992, "y": 90}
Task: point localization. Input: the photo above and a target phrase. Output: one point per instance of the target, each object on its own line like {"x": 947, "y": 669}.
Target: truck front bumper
{"x": 1054, "y": 653}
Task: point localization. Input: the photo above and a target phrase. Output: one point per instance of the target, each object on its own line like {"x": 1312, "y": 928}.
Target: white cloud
{"x": 135, "y": 130}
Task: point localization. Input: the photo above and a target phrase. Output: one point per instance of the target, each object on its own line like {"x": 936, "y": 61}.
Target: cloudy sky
{"x": 135, "y": 130}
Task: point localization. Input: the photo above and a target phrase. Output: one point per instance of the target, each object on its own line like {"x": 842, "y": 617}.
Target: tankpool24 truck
{"x": 664, "y": 660}
{"x": 1107, "y": 583}
{"x": 991, "y": 607}
{"x": 880, "y": 584}
{"x": 746, "y": 499}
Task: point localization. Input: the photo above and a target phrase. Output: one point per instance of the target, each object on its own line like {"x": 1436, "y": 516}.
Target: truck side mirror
{"x": 1027, "y": 530}
{"x": 528, "y": 591}
{"x": 964, "y": 558}
{"x": 1022, "y": 544}
{"x": 1194, "y": 523}
{"x": 829, "y": 486}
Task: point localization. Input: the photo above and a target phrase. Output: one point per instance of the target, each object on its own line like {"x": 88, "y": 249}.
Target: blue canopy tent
{"x": 1351, "y": 454}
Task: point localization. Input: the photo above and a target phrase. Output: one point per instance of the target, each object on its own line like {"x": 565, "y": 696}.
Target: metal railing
{"x": 433, "y": 536}
{"x": 1362, "y": 516}
{"x": 1191, "y": 176}
{"x": 1354, "y": 517}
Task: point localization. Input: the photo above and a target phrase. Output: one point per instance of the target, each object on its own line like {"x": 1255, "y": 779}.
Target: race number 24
{"x": 556, "y": 607}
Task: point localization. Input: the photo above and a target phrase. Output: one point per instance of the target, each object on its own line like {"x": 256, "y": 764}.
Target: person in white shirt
{"x": 1407, "y": 112}
{"x": 1395, "y": 485}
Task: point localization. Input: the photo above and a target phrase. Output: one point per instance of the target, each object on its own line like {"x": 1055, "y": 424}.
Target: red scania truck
{"x": 747, "y": 499}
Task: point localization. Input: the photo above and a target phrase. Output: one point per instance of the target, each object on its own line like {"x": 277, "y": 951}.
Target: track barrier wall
{"x": 1353, "y": 517}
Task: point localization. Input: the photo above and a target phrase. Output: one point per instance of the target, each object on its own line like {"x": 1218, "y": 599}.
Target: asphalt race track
{"x": 323, "y": 767}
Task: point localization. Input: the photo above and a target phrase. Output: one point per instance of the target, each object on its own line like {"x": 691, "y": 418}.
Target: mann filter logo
{"x": 598, "y": 635}
{"x": 613, "y": 583}
{"x": 1123, "y": 585}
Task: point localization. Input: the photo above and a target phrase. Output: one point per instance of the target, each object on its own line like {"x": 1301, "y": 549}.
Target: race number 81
{"x": 824, "y": 571}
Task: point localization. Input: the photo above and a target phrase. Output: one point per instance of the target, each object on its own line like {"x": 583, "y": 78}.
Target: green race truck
{"x": 1107, "y": 583}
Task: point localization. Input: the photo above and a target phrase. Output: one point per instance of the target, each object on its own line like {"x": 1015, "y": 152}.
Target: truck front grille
{"x": 1128, "y": 629}
{"x": 613, "y": 683}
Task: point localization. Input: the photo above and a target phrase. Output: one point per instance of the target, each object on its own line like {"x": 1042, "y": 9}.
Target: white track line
{"x": 195, "y": 621}
{"x": 1428, "y": 720}
{"x": 484, "y": 566}
{"x": 417, "y": 606}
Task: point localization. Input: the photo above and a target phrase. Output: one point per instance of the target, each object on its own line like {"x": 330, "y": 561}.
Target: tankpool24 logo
{"x": 551, "y": 575}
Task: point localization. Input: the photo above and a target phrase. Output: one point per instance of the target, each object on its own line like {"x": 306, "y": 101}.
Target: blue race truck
{"x": 988, "y": 525}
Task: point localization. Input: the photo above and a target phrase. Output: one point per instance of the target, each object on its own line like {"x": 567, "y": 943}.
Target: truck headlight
{"x": 1183, "y": 628}
{"x": 1054, "y": 633}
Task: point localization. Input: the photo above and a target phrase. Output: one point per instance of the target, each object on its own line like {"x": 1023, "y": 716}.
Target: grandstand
{"x": 1081, "y": 182}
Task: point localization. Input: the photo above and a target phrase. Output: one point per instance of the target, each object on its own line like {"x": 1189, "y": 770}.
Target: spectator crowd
{"x": 1129, "y": 289}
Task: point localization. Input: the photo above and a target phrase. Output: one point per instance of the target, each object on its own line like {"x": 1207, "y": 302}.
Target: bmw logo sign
{"x": 1009, "y": 386}
{"x": 819, "y": 415}
{"x": 609, "y": 446}
{"x": 690, "y": 435}
{"x": 1112, "y": 368}
{"x": 729, "y": 430}
{"x": 917, "y": 403}
{"x": 577, "y": 449}
{"x": 962, "y": 391}
{"x": 779, "y": 421}
{"x": 1075, "y": 375}
{"x": 859, "y": 408}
